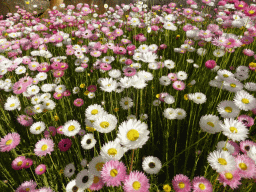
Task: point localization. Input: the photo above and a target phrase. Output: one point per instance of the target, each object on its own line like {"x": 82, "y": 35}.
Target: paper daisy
{"x": 181, "y": 183}
{"x": 133, "y": 133}
{"x": 201, "y": 184}
{"x": 40, "y": 169}
{"x": 93, "y": 111}
{"x": 37, "y": 128}
{"x": 105, "y": 123}
{"x": 84, "y": 179}
{"x": 151, "y": 165}
{"x": 232, "y": 85}
{"x": 225, "y": 74}
{"x": 136, "y": 181}
{"x": 246, "y": 146}
{"x": 244, "y": 100}
{"x": 112, "y": 151}
{"x": 69, "y": 170}
{"x": 71, "y": 128}
{"x": 12, "y": 103}
{"x": 96, "y": 164}
{"x": 246, "y": 166}
{"x": 252, "y": 153}
{"x": 221, "y": 161}
{"x": 228, "y": 109}
{"x": 97, "y": 183}
{"x": 225, "y": 146}
{"x": 113, "y": 173}
{"x": 9, "y": 142}
{"x": 18, "y": 163}
{"x": 181, "y": 113}
{"x": 126, "y": 103}
{"x": 210, "y": 124}
{"x": 44, "y": 147}
{"x": 230, "y": 178}
{"x": 234, "y": 129}
{"x": 27, "y": 186}
{"x": 170, "y": 113}
{"x": 65, "y": 144}
{"x": 71, "y": 187}
{"x": 198, "y": 98}
{"x": 88, "y": 141}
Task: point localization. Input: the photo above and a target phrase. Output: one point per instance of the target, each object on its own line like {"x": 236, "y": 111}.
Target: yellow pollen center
{"x": 222, "y": 161}
{"x": 9, "y": 142}
{"x": 202, "y": 186}
{"x": 112, "y": 152}
{"x": 233, "y": 85}
{"x": 243, "y": 166}
{"x": 104, "y": 124}
{"x": 240, "y": 5}
{"x": 225, "y": 75}
{"x": 44, "y": 147}
{"x": 133, "y": 135}
{"x": 181, "y": 185}
{"x": 228, "y": 109}
{"x": 233, "y": 129}
{"x": 210, "y": 124}
{"x": 71, "y": 128}
{"x": 224, "y": 149}
{"x": 12, "y": 105}
{"x": 96, "y": 179}
{"x": 136, "y": 185}
{"x": 113, "y": 172}
{"x": 126, "y": 102}
{"x": 19, "y": 163}
{"x": 99, "y": 166}
{"x": 251, "y": 12}
{"x": 229, "y": 176}
{"x": 41, "y": 169}
{"x": 94, "y": 112}
{"x": 38, "y": 128}
{"x": 27, "y": 189}
{"x": 245, "y": 101}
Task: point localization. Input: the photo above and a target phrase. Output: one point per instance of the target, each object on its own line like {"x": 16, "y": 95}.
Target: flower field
{"x": 136, "y": 99}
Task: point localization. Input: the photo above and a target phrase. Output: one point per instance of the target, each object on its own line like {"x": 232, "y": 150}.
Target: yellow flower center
{"x": 12, "y": 105}
{"x": 229, "y": 176}
{"x": 104, "y": 124}
{"x": 251, "y": 11}
{"x": 126, "y": 102}
{"x": 41, "y": 169}
{"x": 19, "y": 163}
{"x": 136, "y": 185}
{"x": 233, "y": 85}
{"x": 133, "y": 135}
{"x": 210, "y": 124}
{"x": 233, "y": 129}
{"x": 202, "y": 186}
{"x": 9, "y": 142}
{"x": 71, "y": 128}
{"x": 181, "y": 185}
{"x": 99, "y": 166}
{"x": 27, "y": 189}
{"x": 243, "y": 166}
{"x": 112, "y": 152}
{"x": 240, "y": 5}
{"x": 58, "y": 95}
{"x": 94, "y": 112}
{"x": 38, "y": 128}
{"x": 224, "y": 149}
{"x": 245, "y": 101}
{"x": 47, "y": 104}
{"x": 113, "y": 172}
{"x": 96, "y": 179}
{"x": 228, "y": 109}
{"x": 44, "y": 147}
{"x": 222, "y": 161}
{"x": 225, "y": 75}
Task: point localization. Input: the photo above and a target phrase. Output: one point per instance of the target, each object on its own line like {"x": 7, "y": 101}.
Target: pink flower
{"x": 246, "y": 166}
{"x": 172, "y": 76}
{"x": 105, "y": 66}
{"x": 247, "y": 40}
{"x": 44, "y": 147}
{"x": 59, "y": 130}
{"x": 136, "y": 181}
{"x": 201, "y": 184}
{"x": 113, "y": 173}
{"x": 246, "y": 120}
{"x": 97, "y": 183}
{"x": 27, "y": 186}
{"x": 240, "y": 5}
{"x": 25, "y": 120}
{"x": 67, "y": 93}
{"x": 95, "y": 53}
{"x": 162, "y": 96}
{"x": 9, "y": 142}
{"x": 18, "y": 163}
{"x": 57, "y": 95}
{"x": 236, "y": 146}
{"x": 129, "y": 71}
{"x": 181, "y": 183}
{"x": 92, "y": 88}
{"x": 210, "y": 64}
{"x": 232, "y": 178}
{"x": 246, "y": 146}
{"x": 65, "y": 144}
{"x": 250, "y": 11}
{"x": 178, "y": 85}
{"x": 78, "y": 102}
{"x": 28, "y": 163}
{"x": 40, "y": 169}
{"x": 248, "y": 52}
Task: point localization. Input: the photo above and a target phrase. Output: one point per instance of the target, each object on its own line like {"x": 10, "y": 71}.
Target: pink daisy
{"x": 172, "y": 76}
{"x": 27, "y": 186}
{"x": 246, "y": 166}
{"x": 236, "y": 146}
{"x": 105, "y": 66}
{"x": 240, "y": 5}
{"x": 67, "y": 93}
{"x": 113, "y": 172}
{"x": 65, "y": 144}
{"x": 78, "y": 102}
{"x": 18, "y": 163}
{"x": 40, "y": 169}
{"x": 250, "y": 11}
{"x": 232, "y": 178}
{"x": 43, "y": 147}
{"x": 246, "y": 120}
{"x": 95, "y": 53}
{"x": 84, "y": 65}
{"x": 19, "y": 88}
{"x": 178, "y": 85}
{"x": 97, "y": 183}
{"x": 162, "y": 96}
{"x": 136, "y": 182}
{"x": 201, "y": 184}
{"x": 210, "y": 64}
{"x": 246, "y": 146}
{"x": 52, "y": 132}
{"x": 58, "y": 73}
{"x": 248, "y": 52}
{"x": 92, "y": 88}
{"x": 230, "y": 43}
{"x": 9, "y": 142}
{"x": 247, "y": 40}
{"x": 25, "y": 120}
{"x": 58, "y": 95}
{"x": 29, "y": 111}
{"x": 181, "y": 183}
{"x": 28, "y": 163}
{"x": 63, "y": 66}
{"x": 129, "y": 71}
{"x": 59, "y": 130}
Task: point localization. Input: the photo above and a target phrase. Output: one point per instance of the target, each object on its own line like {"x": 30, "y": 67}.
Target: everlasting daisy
{"x": 113, "y": 173}
{"x": 225, "y": 146}
{"x": 201, "y": 184}
{"x": 96, "y": 164}
{"x": 126, "y": 103}
{"x": 9, "y": 142}
{"x": 246, "y": 120}
{"x": 27, "y": 186}
{"x": 241, "y": 76}
{"x": 136, "y": 181}
{"x": 246, "y": 166}
{"x": 105, "y": 123}
{"x": 225, "y": 74}
{"x": 65, "y": 144}
{"x": 18, "y": 163}
{"x": 178, "y": 85}
{"x": 252, "y": 154}
{"x": 71, "y": 128}
{"x": 88, "y": 141}
{"x": 232, "y": 85}
{"x": 25, "y": 120}
{"x": 228, "y": 109}
{"x": 221, "y": 161}
{"x": 84, "y": 179}
{"x": 40, "y": 169}
{"x": 170, "y": 113}
{"x": 151, "y": 165}
{"x": 230, "y": 178}
{"x": 164, "y": 80}
{"x": 198, "y": 98}
{"x": 69, "y": 170}
{"x": 71, "y": 187}
{"x": 250, "y": 86}
{"x": 244, "y": 100}
{"x": 210, "y": 123}
{"x": 181, "y": 183}
{"x": 133, "y": 133}
{"x": 97, "y": 183}
{"x": 172, "y": 76}
{"x": 28, "y": 163}
{"x": 37, "y": 128}
{"x": 112, "y": 151}
{"x": 93, "y": 111}
{"x": 181, "y": 113}
{"x": 44, "y": 147}
{"x": 12, "y": 103}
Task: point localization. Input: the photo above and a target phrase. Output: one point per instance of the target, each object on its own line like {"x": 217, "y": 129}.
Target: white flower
{"x": 219, "y": 53}
{"x": 244, "y": 100}
{"x": 41, "y": 76}
{"x": 164, "y": 80}
{"x": 210, "y": 124}
{"x": 169, "y": 99}
{"x": 228, "y": 109}
{"x": 198, "y": 98}
{"x": 88, "y": 141}
{"x": 12, "y": 103}
{"x": 126, "y": 103}
{"x": 20, "y": 70}
{"x": 170, "y": 113}
{"x": 105, "y": 123}
{"x": 182, "y": 75}
{"x": 151, "y": 165}
{"x": 225, "y": 146}
{"x": 71, "y": 128}
{"x": 69, "y": 170}
{"x": 112, "y": 151}
{"x": 84, "y": 179}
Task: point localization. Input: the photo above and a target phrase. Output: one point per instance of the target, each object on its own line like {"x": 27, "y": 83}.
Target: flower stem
{"x": 131, "y": 161}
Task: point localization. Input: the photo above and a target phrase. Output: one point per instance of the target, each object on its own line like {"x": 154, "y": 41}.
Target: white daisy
{"x": 33, "y": 89}
{"x": 84, "y": 179}
{"x": 219, "y": 53}
{"x": 36, "y": 99}
{"x": 71, "y": 128}
{"x": 250, "y": 86}
{"x": 105, "y": 123}
{"x": 169, "y": 99}
{"x": 241, "y": 76}
{"x": 225, "y": 146}
{"x": 151, "y": 165}
{"x": 232, "y": 85}
{"x": 126, "y": 82}
{"x": 164, "y": 80}
{"x": 133, "y": 133}
{"x": 252, "y": 153}
{"x": 69, "y": 170}
{"x": 156, "y": 102}
{"x": 93, "y": 111}
{"x": 112, "y": 151}
{"x": 225, "y": 74}
{"x": 108, "y": 84}
{"x": 20, "y": 70}
{"x": 114, "y": 73}
{"x": 210, "y": 124}
{"x": 221, "y": 161}
{"x": 169, "y": 64}
{"x": 91, "y": 95}
{"x": 60, "y": 89}
{"x": 234, "y": 129}
{"x": 198, "y": 98}
{"x": 147, "y": 76}
{"x": 181, "y": 113}
{"x": 170, "y": 113}
{"x": 41, "y": 76}
{"x": 96, "y": 164}
{"x": 126, "y": 103}
{"x": 46, "y": 88}
{"x": 88, "y": 141}
{"x": 12, "y": 103}
{"x": 244, "y": 100}
{"x": 227, "y": 109}
{"x": 76, "y": 90}
{"x": 45, "y": 96}
{"x": 49, "y": 104}
{"x": 131, "y": 117}
{"x": 71, "y": 187}
{"x": 182, "y": 75}
{"x": 38, "y": 108}
{"x": 243, "y": 69}
{"x": 37, "y": 128}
